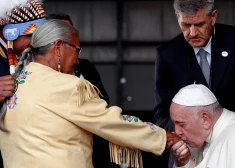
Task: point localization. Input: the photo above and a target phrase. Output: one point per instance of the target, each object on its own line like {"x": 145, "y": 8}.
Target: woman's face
{"x": 69, "y": 57}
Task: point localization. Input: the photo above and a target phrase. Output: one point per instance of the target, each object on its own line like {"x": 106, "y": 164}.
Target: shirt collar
{"x": 207, "y": 48}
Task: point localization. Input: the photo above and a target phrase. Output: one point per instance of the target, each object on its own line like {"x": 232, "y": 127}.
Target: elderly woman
{"x": 49, "y": 121}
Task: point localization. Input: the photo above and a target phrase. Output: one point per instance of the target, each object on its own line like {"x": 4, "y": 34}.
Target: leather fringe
{"x": 120, "y": 154}
{"x": 86, "y": 91}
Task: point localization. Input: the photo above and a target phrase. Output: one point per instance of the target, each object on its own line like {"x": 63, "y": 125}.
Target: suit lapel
{"x": 184, "y": 54}
{"x": 219, "y": 62}
{"x": 183, "y": 58}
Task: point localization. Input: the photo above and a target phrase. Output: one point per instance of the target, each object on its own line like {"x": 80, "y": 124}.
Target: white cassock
{"x": 220, "y": 149}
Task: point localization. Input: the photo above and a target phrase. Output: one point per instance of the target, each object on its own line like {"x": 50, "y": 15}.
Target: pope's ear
{"x": 207, "y": 120}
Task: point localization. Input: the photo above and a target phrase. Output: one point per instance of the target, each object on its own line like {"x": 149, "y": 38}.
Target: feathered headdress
{"x": 18, "y": 18}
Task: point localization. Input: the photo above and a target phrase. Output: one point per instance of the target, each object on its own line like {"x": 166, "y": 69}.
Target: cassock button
{"x": 224, "y": 53}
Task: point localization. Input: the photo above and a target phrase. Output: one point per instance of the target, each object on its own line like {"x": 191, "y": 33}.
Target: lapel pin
{"x": 224, "y": 53}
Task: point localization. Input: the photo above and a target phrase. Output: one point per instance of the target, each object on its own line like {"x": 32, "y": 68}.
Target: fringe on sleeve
{"x": 86, "y": 91}
{"x": 131, "y": 157}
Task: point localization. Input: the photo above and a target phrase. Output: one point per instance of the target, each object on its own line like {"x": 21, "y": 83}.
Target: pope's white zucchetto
{"x": 194, "y": 95}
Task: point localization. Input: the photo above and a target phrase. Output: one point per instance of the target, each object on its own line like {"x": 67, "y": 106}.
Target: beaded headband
{"x": 12, "y": 31}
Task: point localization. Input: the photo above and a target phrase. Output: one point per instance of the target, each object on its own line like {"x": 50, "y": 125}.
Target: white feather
{"x": 40, "y": 1}
{"x": 8, "y": 5}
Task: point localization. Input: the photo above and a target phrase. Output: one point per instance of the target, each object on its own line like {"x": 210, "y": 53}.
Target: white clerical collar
{"x": 3, "y": 43}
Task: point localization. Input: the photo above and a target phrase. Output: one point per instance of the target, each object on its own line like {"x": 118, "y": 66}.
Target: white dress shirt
{"x": 207, "y": 48}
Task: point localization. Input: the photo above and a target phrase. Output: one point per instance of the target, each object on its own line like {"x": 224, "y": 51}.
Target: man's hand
{"x": 7, "y": 87}
{"x": 180, "y": 151}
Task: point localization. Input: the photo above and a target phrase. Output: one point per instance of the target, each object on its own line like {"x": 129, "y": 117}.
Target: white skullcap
{"x": 194, "y": 95}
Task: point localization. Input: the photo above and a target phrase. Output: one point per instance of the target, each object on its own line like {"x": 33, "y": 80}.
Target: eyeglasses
{"x": 78, "y": 49}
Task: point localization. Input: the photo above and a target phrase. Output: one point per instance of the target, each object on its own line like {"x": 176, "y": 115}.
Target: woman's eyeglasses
{"x": 78, "y": 48}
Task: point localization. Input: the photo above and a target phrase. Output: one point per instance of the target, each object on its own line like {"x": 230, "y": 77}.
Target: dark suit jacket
{"x": 176, "y": 67}
{"x": 4, "y": 65}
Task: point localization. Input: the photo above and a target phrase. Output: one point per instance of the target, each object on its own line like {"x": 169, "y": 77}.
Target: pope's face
{"x": 188, "y": 125}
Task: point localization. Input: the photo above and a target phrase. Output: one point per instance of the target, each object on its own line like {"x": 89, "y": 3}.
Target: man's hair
{"x": 43, "y": 38}
{"x": 213, "y": 109}
{"x": 61, "y": 16}
{"x": 191, "y": 7}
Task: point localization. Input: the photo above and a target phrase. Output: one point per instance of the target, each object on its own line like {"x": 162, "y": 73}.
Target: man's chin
{"x": 188, "y": 144}
{"x": 191, "y": 145}
{"x": 196, "y": 43}
{"x": 194, "y": 145}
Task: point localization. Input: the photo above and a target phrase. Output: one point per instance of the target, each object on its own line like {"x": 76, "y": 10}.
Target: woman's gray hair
{"x": 191, "y": 7}
{"x": 43, "y": 38}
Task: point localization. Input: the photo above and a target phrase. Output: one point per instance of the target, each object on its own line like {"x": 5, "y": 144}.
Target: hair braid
{"x": 24, "y": 60}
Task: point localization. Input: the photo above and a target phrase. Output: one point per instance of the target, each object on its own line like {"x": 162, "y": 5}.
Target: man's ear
{"x": 207, "y": 120}
{"x": 176, "y": 15}
{"x": 214, "y": 16}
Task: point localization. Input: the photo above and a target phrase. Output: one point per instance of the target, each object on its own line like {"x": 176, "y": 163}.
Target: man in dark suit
{"x": 181, "y": 61}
